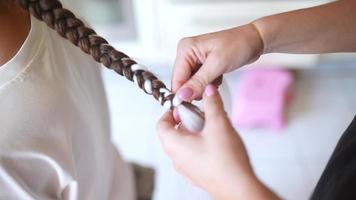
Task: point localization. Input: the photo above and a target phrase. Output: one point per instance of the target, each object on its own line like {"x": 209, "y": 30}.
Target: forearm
{"x": 322, "y": 29}
{"x": 259, "y": 191}
{"x": 246, "y": 187}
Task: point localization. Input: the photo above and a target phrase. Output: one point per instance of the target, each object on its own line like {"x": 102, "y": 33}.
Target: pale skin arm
{"x": 323, "y": 29}
{"x": 215, "y": 159}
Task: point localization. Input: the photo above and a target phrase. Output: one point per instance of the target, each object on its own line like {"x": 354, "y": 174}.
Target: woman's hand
{"x": 214, "y": 159}
{"x": 203, "y": 59}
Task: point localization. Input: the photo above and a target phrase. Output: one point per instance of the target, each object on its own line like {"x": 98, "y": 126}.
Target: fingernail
{"x": 185, "y": 94}
{"x": 210, "y": 90}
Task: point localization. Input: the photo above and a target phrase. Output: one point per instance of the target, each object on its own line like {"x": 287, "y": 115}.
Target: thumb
{"x": 213, "y": 105}
{"x": 194, "y": 87}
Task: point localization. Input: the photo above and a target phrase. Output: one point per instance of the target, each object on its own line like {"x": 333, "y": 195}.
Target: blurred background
{"x": 290, "y": 159}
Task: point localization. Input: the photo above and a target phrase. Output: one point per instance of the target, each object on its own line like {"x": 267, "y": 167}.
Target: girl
{"x": 54, "y": 122}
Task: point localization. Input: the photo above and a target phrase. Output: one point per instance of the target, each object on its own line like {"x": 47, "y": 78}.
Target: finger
{"x": 173, "y": 140}
{"x": 194, "y": 87}
{"x": 213, "y": 104}
{"x": 166, "y": 123}
{"x": 181, "y": 72}
{"x": 217, "y": 82}
{"x": 168, "y": 133}
{"x": 184, "y": 65}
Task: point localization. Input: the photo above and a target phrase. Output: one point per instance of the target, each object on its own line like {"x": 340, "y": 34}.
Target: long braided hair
{"x": 73, "y": 29}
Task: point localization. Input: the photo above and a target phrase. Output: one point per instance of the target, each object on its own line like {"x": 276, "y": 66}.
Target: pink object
{"x": 262, "y": 98}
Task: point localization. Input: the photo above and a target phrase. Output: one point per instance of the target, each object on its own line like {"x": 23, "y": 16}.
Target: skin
{"x": 215, "y": 159}
{"x": 15, "y": 25}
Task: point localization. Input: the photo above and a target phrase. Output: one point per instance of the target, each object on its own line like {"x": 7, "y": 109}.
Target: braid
{"x": 73, "y": 29}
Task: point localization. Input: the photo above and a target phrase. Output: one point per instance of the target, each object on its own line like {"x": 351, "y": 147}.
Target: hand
{"x": 214, "y": 159}
{"x": 203, "y": 59}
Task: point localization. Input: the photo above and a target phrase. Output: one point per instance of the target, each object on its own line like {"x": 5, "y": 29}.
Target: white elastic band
{"x": 148, "y": 86}
{"x": 177, "y": 101}
{"x": 190, "y": 119}
{"x": 135, "y": 80}
{"x": 136, "y": 67}
{"x": 167, "y": 105}
{"x": 163, "y": 90}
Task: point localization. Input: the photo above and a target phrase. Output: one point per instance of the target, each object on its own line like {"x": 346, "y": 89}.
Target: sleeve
{"x": 338, "y": 179}
{"x": 36, "y": 168}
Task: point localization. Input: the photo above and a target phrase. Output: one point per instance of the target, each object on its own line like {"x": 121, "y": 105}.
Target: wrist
{"x": 253, "y": 44}
{"x": 234, "y": 186}
{"x": 260, "y": 27}
{"x": 259, "y": 37}
{"x": 246, "y": 187}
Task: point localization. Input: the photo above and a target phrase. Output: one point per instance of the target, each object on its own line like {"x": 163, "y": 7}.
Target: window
{"x": 111, "y": 18}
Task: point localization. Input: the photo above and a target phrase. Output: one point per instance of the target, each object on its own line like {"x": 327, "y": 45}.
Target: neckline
{"x": 24, "y": 56}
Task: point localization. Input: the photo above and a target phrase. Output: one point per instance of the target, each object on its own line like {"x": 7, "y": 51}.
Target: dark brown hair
{"x": 73, "y": 29}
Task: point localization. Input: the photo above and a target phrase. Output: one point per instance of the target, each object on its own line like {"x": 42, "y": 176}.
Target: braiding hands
{"x": 203, "y": 59}
{"x": 214, "y": 159}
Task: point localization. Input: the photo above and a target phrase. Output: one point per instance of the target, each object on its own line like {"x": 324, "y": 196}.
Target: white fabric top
{"x": 54, "y": 125}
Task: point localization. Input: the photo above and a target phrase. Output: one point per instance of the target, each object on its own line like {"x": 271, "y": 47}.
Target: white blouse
{"x": 54, "y": 125}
